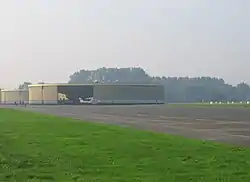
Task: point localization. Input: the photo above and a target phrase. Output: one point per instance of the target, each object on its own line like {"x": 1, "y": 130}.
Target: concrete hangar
{"x": 14, "y": 96}
{"x": 96, "y": 94}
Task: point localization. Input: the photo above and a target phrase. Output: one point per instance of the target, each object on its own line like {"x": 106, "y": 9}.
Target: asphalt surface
{"x": 231, "y": 125}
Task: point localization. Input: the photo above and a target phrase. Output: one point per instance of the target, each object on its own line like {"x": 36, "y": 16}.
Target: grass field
{"x": 35, "y": 147}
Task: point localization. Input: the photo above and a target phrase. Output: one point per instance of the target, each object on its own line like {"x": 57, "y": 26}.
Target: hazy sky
{"x": 47, "y": 40}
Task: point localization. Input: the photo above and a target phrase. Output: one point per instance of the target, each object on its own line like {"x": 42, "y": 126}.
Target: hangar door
{"x": 43, "y": 94}
{"x": 129, "y": 93}
{"x": 68, "y": 94}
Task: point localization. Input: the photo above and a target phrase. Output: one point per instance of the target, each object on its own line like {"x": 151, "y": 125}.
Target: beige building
{"x": 96, "y": 93}
{"x": 43, "y": 94}
{"x": 12, "y": 96}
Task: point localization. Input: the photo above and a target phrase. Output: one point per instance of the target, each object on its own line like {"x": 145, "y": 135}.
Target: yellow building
{"x": 12, "y": 96}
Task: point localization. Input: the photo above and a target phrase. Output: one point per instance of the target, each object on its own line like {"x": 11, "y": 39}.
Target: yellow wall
{"x": 35, "y": 95}
{"x": 50, "y": 95}
{"x": 12, "y": 96}
{"x": 43, "y": 95}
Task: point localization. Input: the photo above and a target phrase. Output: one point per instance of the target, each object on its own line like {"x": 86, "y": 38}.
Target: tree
{"x": 243, "y": 91}
{"x": 177, "y": 89}
{"x": 24, "y": 86}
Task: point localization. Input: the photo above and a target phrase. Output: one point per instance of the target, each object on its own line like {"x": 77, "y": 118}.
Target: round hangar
{"x": 14, "y": 96}
{"x": 96, "y": 94}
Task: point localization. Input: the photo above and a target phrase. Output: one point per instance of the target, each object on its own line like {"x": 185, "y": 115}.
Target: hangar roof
{"x": 94, "y": 84}
{"x": 13, "y": 90}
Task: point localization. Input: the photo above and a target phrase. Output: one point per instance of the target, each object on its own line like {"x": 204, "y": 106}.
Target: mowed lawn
{"x": 35, "y": 147}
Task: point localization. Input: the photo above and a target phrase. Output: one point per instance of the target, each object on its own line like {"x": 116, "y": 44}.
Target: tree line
{"x": 177, "y": 89}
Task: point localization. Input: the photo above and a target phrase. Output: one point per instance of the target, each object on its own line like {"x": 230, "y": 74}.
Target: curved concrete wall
{"x": 35, "y": 95}
{"x": 12, "y": 96}
{"x": 50, "y": 95}
{"x": 43, "y": 95}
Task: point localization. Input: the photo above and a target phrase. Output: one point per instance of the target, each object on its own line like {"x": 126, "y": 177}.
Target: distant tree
{"x": 24, "y": 86}
{"x": 243, "y": 91}
{"x": 110, "y": 75}
{"x": 177, "y": 89}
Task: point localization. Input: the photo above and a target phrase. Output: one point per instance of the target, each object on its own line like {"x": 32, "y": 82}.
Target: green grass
{"x": 35, "y": 147}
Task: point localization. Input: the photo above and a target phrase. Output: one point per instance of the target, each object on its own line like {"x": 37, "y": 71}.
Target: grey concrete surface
{"x": 231, "y": 125}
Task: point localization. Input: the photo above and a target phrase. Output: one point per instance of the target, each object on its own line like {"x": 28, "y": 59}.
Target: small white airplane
{"x": 89, "y": 100}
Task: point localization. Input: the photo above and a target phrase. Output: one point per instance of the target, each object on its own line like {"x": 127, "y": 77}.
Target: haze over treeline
{"x": 177, "y": 89}
{"x": 46, "y": 40}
